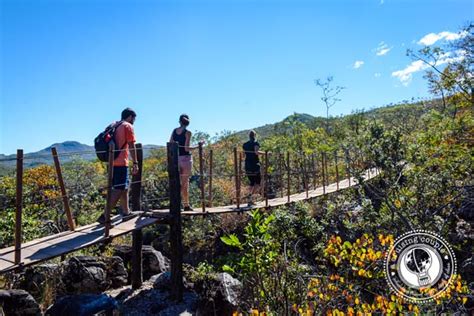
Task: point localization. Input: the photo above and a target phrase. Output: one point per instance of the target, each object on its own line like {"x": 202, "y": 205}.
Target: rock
{"x": 19, "y": 302}
{"x": 223, "y": 299}
{"x": 84, "y": 274}
{"x": 467, "y": 269}
{"x": 153, "y": 261}
{"x": 161, "y": 281}
{"x": 36, "y": 279}
{"x": 93, "y": 275}
{"x": 152, "y": 301}
{"x": 117, "y": 275}
{"x": 230, "y": 290}
{"x": 82, "y": 305}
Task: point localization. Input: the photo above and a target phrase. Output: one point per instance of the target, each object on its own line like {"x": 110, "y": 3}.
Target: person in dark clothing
{"x": 252, "y": 165}
{"x": 185, "y": 160}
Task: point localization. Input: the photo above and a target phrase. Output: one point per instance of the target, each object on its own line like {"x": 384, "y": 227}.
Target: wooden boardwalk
{"x": 49, "y": 247}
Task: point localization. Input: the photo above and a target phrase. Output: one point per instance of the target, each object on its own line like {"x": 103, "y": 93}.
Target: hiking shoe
{"x": 101, "y": 219}
{"x": 187, "y": 208}
{"x": 128, "y": 216}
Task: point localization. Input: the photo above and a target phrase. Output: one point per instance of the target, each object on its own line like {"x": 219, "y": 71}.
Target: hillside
{"x": 385, "y": 115}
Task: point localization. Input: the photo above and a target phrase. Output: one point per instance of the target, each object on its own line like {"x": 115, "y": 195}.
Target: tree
{"x": 330, "y": 94}
{"x": 456, "y": 80}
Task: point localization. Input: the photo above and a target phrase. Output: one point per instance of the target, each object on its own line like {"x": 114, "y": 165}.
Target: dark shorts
{"x": 120, "y": 180}
{"x": 253, "y": 174}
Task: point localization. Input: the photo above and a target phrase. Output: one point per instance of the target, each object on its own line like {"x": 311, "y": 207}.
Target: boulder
{"x": 230, "y": 290}
{"x": 117, "y": 275}
{"x": 19, "y": 303}
{"x": 84, "y": 274}
{"x": 224, "y": 299}
{"x": 36, "y": 279}
{"x": 161, "y": 281}
{"x": 82, "y": 305}
{"x": 153, "y": 261}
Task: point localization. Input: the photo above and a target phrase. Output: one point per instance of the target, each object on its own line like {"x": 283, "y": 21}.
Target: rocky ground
{"x": 86, "y": 285}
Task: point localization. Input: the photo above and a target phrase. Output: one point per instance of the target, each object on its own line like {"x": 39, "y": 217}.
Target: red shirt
{"x": 123, "y": 135}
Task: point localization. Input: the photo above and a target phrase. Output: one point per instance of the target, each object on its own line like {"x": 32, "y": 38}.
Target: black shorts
{"x": 120, "y": 180}
{"x": 253, "y": 174}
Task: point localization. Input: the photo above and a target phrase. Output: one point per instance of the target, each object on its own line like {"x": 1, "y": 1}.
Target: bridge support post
{"x": 19, "y": 204}
{"x": 175, "y": 223}
{"x": 137, "y": 235}
{"x": 137, "y": 245}
{"x": 67, "y": 209}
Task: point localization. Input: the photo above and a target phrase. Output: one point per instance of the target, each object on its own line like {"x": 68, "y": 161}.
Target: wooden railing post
{"x": 19, "y": 205}
{"x": 236, "y": 173}
{"x": 305, "y": 175}
{"x": 288, "y": 173}
{"x": 348, "y": 165}
{"x": 201, "y": 174}
{"x": 137, "y": 235}
{"x": 280, "y": 173}
{"x": 210, "y": 177}
{"x": 136, "y": 187}
{"x": 240, "y": 173}
{"x": 266, "y": 178}
{"x": 175, "y": 223}
{"x": 326, "y": 166}
{"x": 324, "y": 173}
{"x": 337, "y": 170}
{"x": 67, "y": 209}
{"x": 108, "y": 206}
{"x": 313, "y": 169}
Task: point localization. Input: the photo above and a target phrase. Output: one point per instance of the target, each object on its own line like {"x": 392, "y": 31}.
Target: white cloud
{"x": 382, "y": 49}
{"x": 358, "y": 64}
{"x": 377, "y": 75}
{"x": 430, "y": 39}
{"x": 405, "y": 75}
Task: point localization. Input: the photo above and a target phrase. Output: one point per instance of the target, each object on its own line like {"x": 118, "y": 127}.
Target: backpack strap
{"x": 115, "y": 129}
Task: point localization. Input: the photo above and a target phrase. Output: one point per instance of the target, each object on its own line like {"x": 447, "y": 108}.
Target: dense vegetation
{"x": 320, "y": 257}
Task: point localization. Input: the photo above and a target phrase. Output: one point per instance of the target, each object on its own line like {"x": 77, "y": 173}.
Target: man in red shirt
{"x": 124, "y": 139}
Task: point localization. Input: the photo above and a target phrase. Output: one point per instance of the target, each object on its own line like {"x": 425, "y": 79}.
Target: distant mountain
{"x": 67, "y": 151}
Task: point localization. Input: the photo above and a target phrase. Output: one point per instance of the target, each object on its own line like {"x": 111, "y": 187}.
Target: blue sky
{"x": 68, "y": 68}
